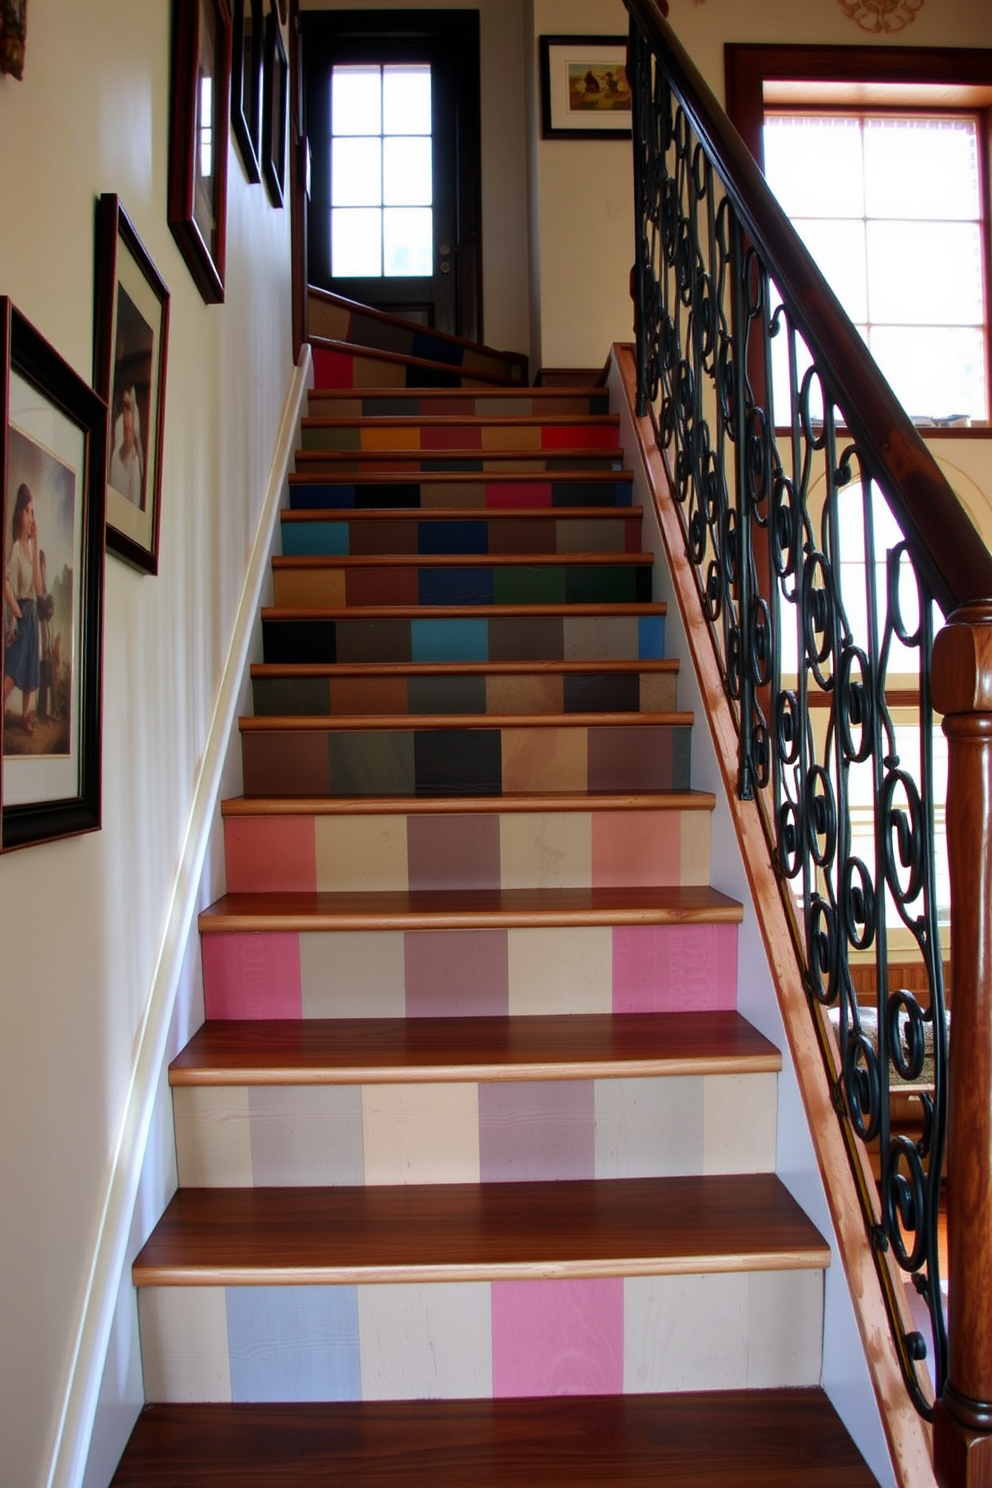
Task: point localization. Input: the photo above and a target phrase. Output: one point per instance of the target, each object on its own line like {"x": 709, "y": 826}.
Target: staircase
{"x": 476, "y": 1156}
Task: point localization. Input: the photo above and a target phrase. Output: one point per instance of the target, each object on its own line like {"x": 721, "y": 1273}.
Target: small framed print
{"x": 53, "y": 460}
{"x": 246, "y": 83}
{"x": 585, "y": 91}
{"x": 275, "y": 106}
{"x": 129, "y": 365}
{"x": 198, "y": 136}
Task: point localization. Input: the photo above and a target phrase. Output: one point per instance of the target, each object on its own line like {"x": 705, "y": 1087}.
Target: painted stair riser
{"x": 360, "y": 537}
{"x": 445, "y": 434}
{"x": 558, "y": 465}
{"x": 465, "y": 1132}
{"x": 465, "y": 693}
{"x": 366, "y": 331}
{"x": 368, "y": 584}
{"x": 464, "y": 761}
{"x": 513, "y": 850}
{"x": 350, "y": 369}
{"x": 473, "y": 493}
{"x": 478, "y": 404}
{"x": 465, "y": 638}
{"x": 503, "y": 1339}
{"x": 521, "y": 970}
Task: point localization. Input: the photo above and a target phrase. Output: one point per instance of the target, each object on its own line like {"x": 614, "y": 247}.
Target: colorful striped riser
{"x": 500, "y": 1339}
{"x": 314, "y": 848}
{"x": 315, "y": 582}
{"x": 588, "y": 530}
{"x": 651, "y": 688}
{"x": 382, "y": 462}
{"x": 513, "y": 494}
{"x": 333, "y": 757}
{"x": 358, "y": 327}
{"x": 273, "y": 1136}
{"x": 457, "y": 404}
{"x": 495, "y": 972}
{"x": 391, "y": 636}
{"x": 463, "y": 433}
{"x": 338, "y": 366}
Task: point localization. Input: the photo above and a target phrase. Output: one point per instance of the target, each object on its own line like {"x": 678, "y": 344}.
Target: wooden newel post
{"x": 962, "y": 691}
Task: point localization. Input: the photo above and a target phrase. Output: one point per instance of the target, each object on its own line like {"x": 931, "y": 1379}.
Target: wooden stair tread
{"x": 671, "y": 800}
{"x": 479, "y": 1231}
{"x": 438, "y": 909}
{"x": 460, "y": 395}
{"x": 294, "y": 562}
{"x": 461, "y": 612}
{"x": 598, "y": 453}
{"x": 584, "y": 1046}
{"x": 667, "y": 664}
{"x": 290, "y": 516}
{"x": 462, "y": 421}
{"x": 747, "y": 1439}
{"x": 457, "y": 477}
{"x": 348, "y": 723}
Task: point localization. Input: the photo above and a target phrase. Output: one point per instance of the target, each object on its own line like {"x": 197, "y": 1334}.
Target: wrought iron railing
{"x": 822, "y": 536}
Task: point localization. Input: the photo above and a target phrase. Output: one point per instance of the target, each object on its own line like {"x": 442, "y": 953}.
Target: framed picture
{"x": 198, "y": 135}
{"x": 129, "y": 361}
{"x": 275, "y": 107}
{"x": 584, "y": 88}
{"x": 246, "y": 83}
{"x": 53, "y": 459}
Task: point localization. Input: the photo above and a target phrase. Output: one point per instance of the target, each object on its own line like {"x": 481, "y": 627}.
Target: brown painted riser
{"x": 387, "y": 1050}
{"x": 763, "y": 1439}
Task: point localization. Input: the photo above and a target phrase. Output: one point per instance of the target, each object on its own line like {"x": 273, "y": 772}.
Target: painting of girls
{"x": 37, "y": 591}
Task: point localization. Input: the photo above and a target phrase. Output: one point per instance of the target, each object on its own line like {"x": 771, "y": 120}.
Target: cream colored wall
{"x": 505, "y": 236}
{"x": 81, "y": 921}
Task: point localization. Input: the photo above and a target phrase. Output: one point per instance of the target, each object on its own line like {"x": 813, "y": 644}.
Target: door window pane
{"x": 356, "y": 242}
{"x": 356, "y": 173}
{"x": 408, "y": 237}
{"x": 406, "y": 180}
{"x": 356, "y": 100}
{"x": 406, "y": 100}
{"x": 382, "y": 221}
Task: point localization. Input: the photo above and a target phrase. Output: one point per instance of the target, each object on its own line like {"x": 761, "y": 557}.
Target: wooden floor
{"x": 765, "y": 1439}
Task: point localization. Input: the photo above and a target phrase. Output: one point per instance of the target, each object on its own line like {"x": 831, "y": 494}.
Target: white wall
{"x": 81, "y": 922}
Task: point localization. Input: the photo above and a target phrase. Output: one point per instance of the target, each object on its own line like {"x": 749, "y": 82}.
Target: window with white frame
{"x": 891, "y": 206}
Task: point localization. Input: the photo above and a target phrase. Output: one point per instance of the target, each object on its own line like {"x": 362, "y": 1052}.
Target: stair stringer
{"x": 860, "y": 1371}
{"x": 100, "y": 1404}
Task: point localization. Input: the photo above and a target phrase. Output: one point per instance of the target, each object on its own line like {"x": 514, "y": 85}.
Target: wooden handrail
{"x": 943, "y": 541}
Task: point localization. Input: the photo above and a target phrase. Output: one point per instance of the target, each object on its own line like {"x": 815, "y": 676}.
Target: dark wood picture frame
{"x": 53, "y": 443}
{"x": 201, "y": 80}
{"x": 275, "y": 110}
{"x": 605, "y": 59}
{"x": 248, "y": 33}
{"x": 130, "y": 356}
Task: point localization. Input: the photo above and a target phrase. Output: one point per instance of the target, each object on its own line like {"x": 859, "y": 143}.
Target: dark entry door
{"x": 392, "y": 101}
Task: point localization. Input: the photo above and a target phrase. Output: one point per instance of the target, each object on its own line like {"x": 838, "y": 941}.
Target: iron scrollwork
{"x": 823, "y": 629}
